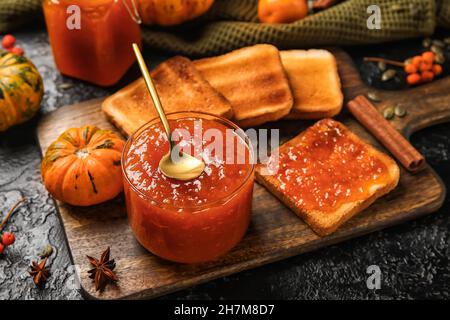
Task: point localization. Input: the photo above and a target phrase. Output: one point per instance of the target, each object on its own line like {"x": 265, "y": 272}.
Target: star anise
{"x": 102, "y": 273}
{"x": 39, "y": 272}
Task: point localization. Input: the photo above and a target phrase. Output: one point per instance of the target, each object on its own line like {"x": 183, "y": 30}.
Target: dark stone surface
{"x": 413, "y": 257}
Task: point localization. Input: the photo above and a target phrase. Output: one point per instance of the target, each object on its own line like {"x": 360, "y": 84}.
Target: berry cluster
{"x": 422, "y": 68}
{"x": 6, "y": 240}
{"x": 8, "y": 43}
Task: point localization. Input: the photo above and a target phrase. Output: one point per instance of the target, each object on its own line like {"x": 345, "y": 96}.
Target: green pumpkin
{"x": 21, "y": 90}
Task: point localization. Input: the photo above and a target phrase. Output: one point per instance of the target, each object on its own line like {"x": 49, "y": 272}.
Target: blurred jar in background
{"x": 91, "y": 39}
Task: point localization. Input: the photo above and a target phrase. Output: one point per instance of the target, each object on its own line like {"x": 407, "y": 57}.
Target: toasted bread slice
{"x": 253, "y": 80}
{"x": 315, "y": 83}
{"x": 180, "y": 87}
{"x": 327, "y": 174}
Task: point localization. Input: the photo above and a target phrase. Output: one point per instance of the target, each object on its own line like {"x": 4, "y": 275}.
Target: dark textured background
{"x": 413, "y": 257}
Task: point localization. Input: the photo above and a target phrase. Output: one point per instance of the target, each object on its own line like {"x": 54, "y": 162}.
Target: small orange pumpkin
{"x": 282, "y": 11}
{"x": 82, "y": 167}
{"x": 172, "y": 12}
{"x": 21, "y": 90}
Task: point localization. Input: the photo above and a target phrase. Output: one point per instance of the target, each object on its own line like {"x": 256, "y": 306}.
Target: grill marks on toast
{"x": 253, "y": 80}
{"x": 180, "y": 87}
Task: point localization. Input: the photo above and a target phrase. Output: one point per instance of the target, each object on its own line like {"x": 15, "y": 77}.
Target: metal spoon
{"x": 184, "y": 166}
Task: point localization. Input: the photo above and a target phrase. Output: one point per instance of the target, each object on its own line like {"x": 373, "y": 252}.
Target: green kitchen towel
{"x": 16, "y": 13}
{"x": 443, "y": 13}
{"x": 231, "y": 24}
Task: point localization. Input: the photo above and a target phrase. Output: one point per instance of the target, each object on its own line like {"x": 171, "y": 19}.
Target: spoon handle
{"x": 153, "y": 93}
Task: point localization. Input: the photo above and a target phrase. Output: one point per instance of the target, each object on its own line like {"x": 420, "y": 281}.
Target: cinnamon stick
{"x": 374, "y": 122}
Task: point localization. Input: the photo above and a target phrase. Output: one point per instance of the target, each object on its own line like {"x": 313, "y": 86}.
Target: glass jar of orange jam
{"x": 91, "y": 39}
{"x": 196, "y": 220}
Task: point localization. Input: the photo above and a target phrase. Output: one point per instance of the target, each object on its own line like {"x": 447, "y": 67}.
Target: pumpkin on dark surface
{"x": 82, "y": 167}
{"x": 21, "y": 90}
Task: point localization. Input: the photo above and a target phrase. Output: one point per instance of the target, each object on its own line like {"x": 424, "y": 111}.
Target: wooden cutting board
{"x": 275, "y": 232}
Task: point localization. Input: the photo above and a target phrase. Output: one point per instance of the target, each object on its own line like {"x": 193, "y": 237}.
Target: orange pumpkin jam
{"x": 325, "y": 167}
{"x": 187, "y": 221}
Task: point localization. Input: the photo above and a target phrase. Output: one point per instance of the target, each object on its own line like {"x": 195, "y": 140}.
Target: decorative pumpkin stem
{"x": 82, "y": 153}
{"x": 11, "y": 211}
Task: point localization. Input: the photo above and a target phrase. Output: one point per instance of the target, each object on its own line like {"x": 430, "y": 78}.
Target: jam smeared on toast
{"x": 326, "y": 166}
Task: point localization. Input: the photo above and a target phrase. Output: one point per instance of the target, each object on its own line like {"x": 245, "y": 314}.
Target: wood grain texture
{"x": 275, "y": 232}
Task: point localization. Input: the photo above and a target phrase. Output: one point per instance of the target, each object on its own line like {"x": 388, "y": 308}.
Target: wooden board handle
{"x": 427, "y": 105}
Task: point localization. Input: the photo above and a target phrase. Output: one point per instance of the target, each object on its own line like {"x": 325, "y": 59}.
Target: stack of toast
{"x": 252, "y": 85}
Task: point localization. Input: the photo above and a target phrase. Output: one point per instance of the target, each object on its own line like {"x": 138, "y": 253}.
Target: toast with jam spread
{"x": 327, "y": 175}
{"x": 253, "y": 80}
{"x": 315, "y": 83}
{"x": 180, "y": 87}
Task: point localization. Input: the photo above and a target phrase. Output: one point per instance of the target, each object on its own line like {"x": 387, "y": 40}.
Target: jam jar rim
{"x": 190, "y": 114}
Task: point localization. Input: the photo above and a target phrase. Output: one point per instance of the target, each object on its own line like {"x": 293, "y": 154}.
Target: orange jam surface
{"x": 324, "y": 168}
{"x": 217, "y": 181}
{"x": 187, "y": 221}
